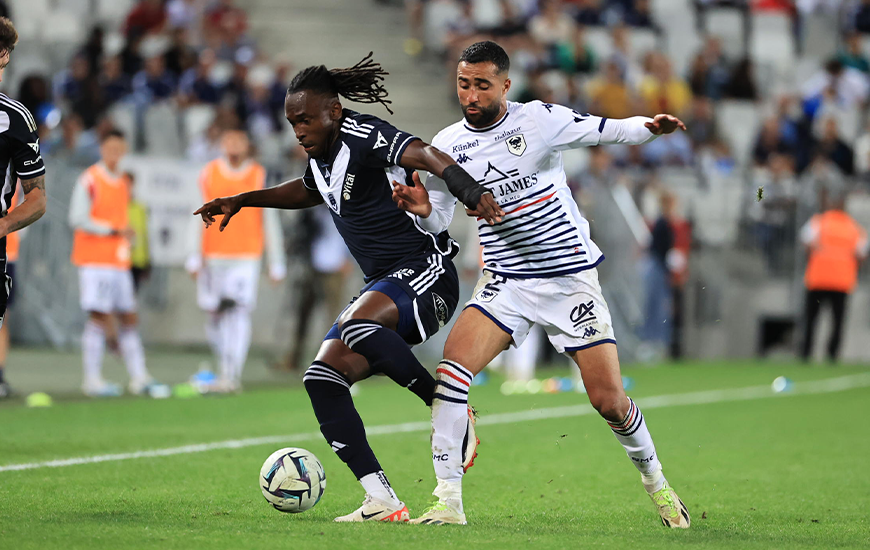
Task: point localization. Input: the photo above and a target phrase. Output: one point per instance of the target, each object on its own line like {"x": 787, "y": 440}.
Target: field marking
{"x": 829, "y": 385}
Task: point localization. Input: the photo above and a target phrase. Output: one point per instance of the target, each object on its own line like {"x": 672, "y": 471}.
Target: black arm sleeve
{"x": 462, "y": 186}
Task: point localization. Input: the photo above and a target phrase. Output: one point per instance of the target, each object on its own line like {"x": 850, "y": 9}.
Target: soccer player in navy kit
{"x": 20, "y": 159}
{"x": 411, "y": 286}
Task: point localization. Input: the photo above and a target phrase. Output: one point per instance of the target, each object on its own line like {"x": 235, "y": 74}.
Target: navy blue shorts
{"x": 426, "y": 291}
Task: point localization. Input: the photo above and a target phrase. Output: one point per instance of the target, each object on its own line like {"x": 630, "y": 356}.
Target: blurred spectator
{"x": 741, "y": 83}
{"x": 847, "y": 86}
{"x": 671, "y": 150}
{"x": 774, "y": 213}
{"x": 154, "y": 82}
{"x": 638, "y": 15}
{"x": 702, "y": 123}
{"x": 181, "y": 14}
{"x": 137, "y": 218}
{"x": 325, "y": 265}
{"x": 584, "y": 59}
{"x": 552, "y": 27}
{"x": 70, "y": 84}
{"x": 678, "y": 265}
{"x": 832, "y": 146}
{"x": 770, "y": 141}
{"x": 115, "y": 85}
{"x": 609, "y": 95}
{"x": 836, "y": 246}
{"x": 709, "y": 73}
{"x": 33, "y": 92}
{"x": 588, "y": 12}
{"x": 851, "y": 54}
{"x": 862, "y": 17}
{"x": 662, "y": 91}
{"x": 260, "y": 118}
{"x": 180, "y": 56}
{"x": 80, "y": 145}
{"x": 147, "y": 16}
{"x": 131, "y": 59}
{"x": 196, "y": 84}
{"x": 623, "y": 57}
{"x": 93, "y": 49}
{"x": 862, "y": 155}
{"x": 658, "y": 302}
{"x": 4, "y": 9}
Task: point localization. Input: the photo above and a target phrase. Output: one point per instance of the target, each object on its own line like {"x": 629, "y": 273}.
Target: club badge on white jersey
{"x": 519, "y": 159}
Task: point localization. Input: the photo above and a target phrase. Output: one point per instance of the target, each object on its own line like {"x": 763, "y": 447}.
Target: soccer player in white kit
{"x": 539, "y": 265}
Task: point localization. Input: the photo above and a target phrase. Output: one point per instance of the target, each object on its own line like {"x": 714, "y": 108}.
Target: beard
{"x": 484, "y": 117}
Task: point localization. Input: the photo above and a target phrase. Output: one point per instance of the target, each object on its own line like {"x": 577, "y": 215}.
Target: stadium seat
{"x": 772, "y": 42}
{"x": 64, "y": 27}
{"x": 160, "y": 125}
{"x": 113, "y": 11}
{"x": 600, "y": 41}
{"x": 728, "y": 25}
{"x": 123, "y": 116}
{"x": 742, "y": 121}
{"x": 642, "y": 41}
{"x": 438, "y": 17}
{"x": 196, "y": 120}
{"x": 29, "y": 16}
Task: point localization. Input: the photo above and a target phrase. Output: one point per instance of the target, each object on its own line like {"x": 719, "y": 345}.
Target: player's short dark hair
{"x": 361, "y": 83}
{"x": 487, "y": 52}
{"x": 8, "y": 36}
{"x": 113, "y": 133}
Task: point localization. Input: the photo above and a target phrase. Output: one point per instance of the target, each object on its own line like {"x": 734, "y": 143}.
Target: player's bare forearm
{"x": 28, "y": 211}
{"x": 422, "y": 156}
{"x": 289, "y": 195}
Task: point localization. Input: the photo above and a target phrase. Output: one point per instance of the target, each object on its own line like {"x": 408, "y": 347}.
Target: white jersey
{"x": 519, "y": 159}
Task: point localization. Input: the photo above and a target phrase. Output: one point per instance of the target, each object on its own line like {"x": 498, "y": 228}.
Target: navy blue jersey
{"x": 355, "y": 181}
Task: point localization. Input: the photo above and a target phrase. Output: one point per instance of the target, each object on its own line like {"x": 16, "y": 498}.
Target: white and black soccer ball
{"x": 292, "y": 480}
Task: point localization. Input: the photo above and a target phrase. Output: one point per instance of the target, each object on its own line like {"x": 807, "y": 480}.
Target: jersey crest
{"x": 516, "y": 144}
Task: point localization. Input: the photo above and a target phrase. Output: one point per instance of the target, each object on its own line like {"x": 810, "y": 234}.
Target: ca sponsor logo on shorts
{"x": 583, "y": 314}
{"x": 441, "y": 310}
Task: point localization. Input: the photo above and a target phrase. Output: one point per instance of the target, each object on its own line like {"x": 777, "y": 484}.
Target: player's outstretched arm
{"x": 289, "y": 195}
{"x": 638, "y": 130}
{"x": 422, "y": 156}
{"x": 28, "y": 211}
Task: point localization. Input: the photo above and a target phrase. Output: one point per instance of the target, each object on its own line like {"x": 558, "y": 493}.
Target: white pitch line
{"x": 829, "y": 385}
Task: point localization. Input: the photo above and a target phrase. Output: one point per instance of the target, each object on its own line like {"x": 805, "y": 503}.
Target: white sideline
{"x": 829, "y": 385}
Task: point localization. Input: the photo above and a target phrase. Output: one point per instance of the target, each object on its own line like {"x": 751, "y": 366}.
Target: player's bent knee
{"x": 611, "y": 405}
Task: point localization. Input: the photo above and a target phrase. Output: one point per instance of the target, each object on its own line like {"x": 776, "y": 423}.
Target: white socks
{"x": 130, "y": 344}
{"x": 234, "y": 331}
{"x": 378, "y": 486}
{"x": 93, "y": 349}
{"x": 213, "y": 334}
{"x": 634, "y": 436}
{"x": 449, "y": 420}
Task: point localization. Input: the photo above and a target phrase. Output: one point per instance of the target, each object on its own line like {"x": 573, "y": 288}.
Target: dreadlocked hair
{"x": 361, "y": 83}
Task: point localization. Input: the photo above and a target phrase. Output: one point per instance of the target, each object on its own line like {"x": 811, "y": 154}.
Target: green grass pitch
{"x": 775, "y": 471}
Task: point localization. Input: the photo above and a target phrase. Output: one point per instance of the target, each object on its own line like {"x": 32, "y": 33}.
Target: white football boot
{"x": 469, "y": 450}
{"x": 375, "y": 509}
{"x": 101, "y": 388}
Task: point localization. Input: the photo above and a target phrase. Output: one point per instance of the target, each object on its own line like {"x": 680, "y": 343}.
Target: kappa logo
{"x": 548, "y": 107}
{"x": 381, "y": 141}
{"x": 580, "y": 117}
{"x": 462, "y": 158}
{"x": 516, "y": 144}
{"x": 35, "y": 146}
{"x": 590, "y": 332}
{"x": 582, "y": 313}
{"x": 332, "y": 202}
{"x": 402, "y": 273}
{"x": 442, "y": 313}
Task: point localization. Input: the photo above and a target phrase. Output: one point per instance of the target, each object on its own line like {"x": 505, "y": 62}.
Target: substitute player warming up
{"x": 539, "y": 264}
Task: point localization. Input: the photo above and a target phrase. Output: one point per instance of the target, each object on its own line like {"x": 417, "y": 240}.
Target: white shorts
{"x": 106, "y": 290}
{"x": 570, "y": 308}
{"x": 230, "y": 282}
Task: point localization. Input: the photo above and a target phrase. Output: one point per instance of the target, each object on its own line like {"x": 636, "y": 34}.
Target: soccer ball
{"x": 292, "y": 480}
